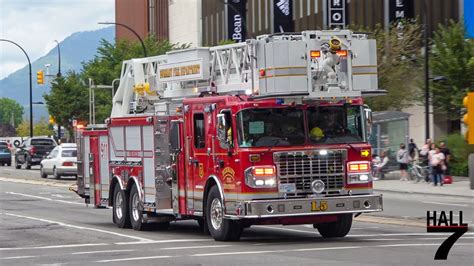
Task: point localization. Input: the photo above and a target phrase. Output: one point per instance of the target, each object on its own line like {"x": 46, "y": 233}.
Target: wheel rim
{"x": 135, "y": 209}
{"x": 216, "y": 214}
{"x": 118, "y": 205}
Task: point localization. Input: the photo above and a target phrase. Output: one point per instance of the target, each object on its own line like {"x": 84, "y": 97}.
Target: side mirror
{"x": 221, "y": 126}
{"x": 368, "y": 120}
{"x": 48, "y": 157}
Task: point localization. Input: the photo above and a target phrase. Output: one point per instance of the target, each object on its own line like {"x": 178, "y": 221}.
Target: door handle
{"x": 193, "y": 161}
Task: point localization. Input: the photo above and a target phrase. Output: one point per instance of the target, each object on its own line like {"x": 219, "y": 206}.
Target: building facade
{"x": 144, "y": 17}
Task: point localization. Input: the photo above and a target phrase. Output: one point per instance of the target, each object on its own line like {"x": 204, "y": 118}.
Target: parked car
{"x": 61, "y": 161}
{"x": 5, "y": 154}
{"x": 32, "y": 151}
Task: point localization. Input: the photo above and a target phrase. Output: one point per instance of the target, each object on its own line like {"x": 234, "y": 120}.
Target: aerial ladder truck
{"x": 273, "y": 130}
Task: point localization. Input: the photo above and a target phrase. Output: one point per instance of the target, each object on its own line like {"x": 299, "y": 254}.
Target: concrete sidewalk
{"x": 459, "y": 188}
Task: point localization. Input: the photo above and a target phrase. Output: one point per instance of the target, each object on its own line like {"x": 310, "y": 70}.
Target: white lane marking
{"x": 407, "y": 234}
{"x": 18, "y": 257}
{"x": 57, "y": 195}
{"x": 319, "y": 249}
{"x": 44, "y": 198}
{"x": 163, "y": 241}
{"x": 79, "y": 227}
{"x": 195, "y": 247}
{"x": 138, "y": 258}
{"x": 363, "y": 228}
{"x": 272, "y": 251}
{"x": 102, "y": 251}
{"x": 57, "y": 246}
{"x": 448, "y": 204}
{"x": 287, "y": 229}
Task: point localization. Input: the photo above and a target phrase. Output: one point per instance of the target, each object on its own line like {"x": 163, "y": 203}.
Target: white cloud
{"x": 35, "y": 24}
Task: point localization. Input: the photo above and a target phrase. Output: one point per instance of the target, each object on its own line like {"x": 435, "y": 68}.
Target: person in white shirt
{"x": 379, "y": 166}
{"x": 437, "y": 163}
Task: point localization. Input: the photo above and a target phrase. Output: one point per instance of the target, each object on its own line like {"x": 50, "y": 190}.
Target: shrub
{"x": 459, "y": 154}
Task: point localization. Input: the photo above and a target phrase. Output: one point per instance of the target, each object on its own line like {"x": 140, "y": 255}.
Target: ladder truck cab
{"x": 270, "y": 131}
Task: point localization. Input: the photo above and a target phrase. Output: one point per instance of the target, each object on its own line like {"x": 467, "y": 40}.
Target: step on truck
{"x": 273, "y": 130}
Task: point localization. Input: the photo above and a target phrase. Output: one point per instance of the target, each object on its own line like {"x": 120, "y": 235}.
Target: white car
{"x": 61, "y": 161}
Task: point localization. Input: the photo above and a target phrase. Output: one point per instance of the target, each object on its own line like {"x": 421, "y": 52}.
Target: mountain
{"x": 75, "y": 49}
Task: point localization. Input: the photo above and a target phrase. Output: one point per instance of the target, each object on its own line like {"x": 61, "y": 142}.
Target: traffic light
{"x": 51, "y": 120}
{"x": 40, "y": 77}
{"x": 468, "y": 118}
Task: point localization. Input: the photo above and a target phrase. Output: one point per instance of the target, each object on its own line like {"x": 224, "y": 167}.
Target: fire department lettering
{"x": 180, "y": 71}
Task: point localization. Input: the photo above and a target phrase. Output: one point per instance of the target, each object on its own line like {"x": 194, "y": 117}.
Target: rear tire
{"x": 55, "y": 174}
{"x": 9, "y": 164}
{"x": 336, "y": 229}
{"x": 28, "y": 164}
{"x": 42, "y": 174}
{"x": 136, "y": 212}
{"x": 17, "y": 164}
{"x": 120, "y": 214}
{"x": 220, "y": 229}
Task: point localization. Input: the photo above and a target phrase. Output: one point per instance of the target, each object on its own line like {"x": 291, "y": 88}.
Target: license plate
{"x": 319, "y": 206}
{"x": 287, "y": 188}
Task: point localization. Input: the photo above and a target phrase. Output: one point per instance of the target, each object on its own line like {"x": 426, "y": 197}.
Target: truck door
{"x": 224, "y": 148}
{"x": 198, "y": 154}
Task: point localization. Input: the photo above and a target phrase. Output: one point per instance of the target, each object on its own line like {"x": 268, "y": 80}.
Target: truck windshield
{"x": 270, "y": 127}
{"x": 335, "y": 124}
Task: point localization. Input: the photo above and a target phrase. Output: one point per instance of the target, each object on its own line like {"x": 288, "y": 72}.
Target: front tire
{"x": 42, "y": 174}
{"x": 220, "y": 229}
{"x": 136, "y": 212}
{"x": 120, "y": 214}
{"x": 340, "y": 228}
{"x": 17, "y": 164}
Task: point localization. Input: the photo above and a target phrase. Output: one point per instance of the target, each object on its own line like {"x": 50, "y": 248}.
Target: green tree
{"x": 452, "y": 56}
{"x": 9, "y": 109}
{"x": 41, "y": 128}
{"x": 68, "y": 99}
{"x": 398, "y": 64}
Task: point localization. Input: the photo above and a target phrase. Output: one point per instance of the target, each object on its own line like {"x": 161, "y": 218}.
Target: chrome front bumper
{"x": 307, "y": 206}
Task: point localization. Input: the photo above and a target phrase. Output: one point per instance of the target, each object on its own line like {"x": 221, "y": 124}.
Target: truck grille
{"x": 303, "y": 167}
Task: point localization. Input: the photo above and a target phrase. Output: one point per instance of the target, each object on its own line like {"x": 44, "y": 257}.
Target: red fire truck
{"x": 270, "y": 131}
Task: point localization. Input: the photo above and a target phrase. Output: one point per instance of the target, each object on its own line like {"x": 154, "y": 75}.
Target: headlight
{"x": 260, "y": 177}
{"x": 359, "y": 178}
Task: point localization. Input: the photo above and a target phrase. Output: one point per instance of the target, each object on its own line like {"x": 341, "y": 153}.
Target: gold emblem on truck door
{"x": 201, "y": 170}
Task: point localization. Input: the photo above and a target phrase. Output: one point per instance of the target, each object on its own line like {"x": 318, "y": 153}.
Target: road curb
{"x": 423, "y": 193}
{"x": 390, "y": 220}
{"x": 35, "y": 182}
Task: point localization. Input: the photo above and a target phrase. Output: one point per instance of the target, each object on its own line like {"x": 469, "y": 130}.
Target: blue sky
{"x": 35, "y": 24}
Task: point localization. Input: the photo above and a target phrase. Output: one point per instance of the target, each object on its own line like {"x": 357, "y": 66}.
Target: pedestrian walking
{"x": 403, "y": 158}
{"x": 431, "y": 152}
{"x": 437, "y": 164}
{"x": 412, "y": 148}
{"x": 447, "y": 156}
{"x": 425, "y": 152}
{"x": 380, "y": 166}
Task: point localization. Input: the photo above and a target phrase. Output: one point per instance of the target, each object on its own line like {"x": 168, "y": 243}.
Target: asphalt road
{"x": 43, "y": 224}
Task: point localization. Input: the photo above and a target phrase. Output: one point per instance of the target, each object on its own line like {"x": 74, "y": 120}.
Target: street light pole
{"x": 59, "y": 75}
{"x": 130, "y": 29}
{"x": 59, "y": 59}
{"x": 427, "y": 70}
{"x": 31, "y": 83}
